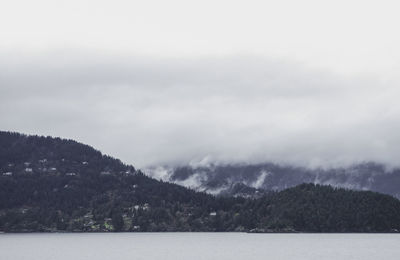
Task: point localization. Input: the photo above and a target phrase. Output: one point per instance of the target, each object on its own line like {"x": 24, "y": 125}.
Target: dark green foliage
{"x": 117, "y": 221}
{"x": 61, "y": 185}
{"x": 316, "y": 208}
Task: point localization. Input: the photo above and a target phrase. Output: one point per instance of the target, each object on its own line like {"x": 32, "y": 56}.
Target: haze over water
{"x": 124, "y": 246}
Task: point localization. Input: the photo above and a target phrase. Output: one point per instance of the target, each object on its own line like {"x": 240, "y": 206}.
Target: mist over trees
{"x": 255, "y": 179}
{"x": 51, "y": 184}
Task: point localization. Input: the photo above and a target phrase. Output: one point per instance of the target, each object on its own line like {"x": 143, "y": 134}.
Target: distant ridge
{"x": 249, "y": 180}
{"x": 57, "y": 185}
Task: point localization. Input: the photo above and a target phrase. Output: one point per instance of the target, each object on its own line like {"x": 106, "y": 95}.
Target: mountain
{"x": 56, "y": 185}
{"x": 257, "y": 179}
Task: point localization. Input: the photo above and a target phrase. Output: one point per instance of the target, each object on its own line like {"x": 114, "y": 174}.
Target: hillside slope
{"x": 250, "y": 180}
{"x": 51, "y": 184}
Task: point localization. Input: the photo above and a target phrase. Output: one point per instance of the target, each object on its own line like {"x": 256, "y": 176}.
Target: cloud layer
{"x": 150, "y": 111}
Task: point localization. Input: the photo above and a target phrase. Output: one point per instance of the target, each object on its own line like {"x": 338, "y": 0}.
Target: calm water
{"x": 191, "y": 246}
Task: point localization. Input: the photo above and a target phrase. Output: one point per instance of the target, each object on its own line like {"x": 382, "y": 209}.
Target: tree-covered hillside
{"x": 318, "y": 208}
{"x": 251, "y": 180}
{"x": 51, "y": 184}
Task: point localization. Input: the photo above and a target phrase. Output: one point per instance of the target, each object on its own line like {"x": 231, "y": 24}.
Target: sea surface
{"x": 192, "y": 246}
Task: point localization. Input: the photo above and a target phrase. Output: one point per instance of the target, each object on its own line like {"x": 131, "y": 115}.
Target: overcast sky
{"x": 169, "y": 82}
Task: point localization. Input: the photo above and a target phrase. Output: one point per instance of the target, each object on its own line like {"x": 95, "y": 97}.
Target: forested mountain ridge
{"x": 251, "y": 180}
{"x": 55, "y": 185}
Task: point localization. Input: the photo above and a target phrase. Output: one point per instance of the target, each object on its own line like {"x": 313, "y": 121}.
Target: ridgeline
{"x": 56, "y": 185}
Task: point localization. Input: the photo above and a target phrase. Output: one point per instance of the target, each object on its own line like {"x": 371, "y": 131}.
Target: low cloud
{"x": 238, "y": 109}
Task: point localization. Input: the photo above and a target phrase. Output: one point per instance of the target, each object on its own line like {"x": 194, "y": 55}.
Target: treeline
{"x": 55, "y": 185}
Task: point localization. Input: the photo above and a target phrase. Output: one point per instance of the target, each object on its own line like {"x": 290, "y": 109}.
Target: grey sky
{"x": 237, "y": 108}
{"x": 151, "y": 82}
